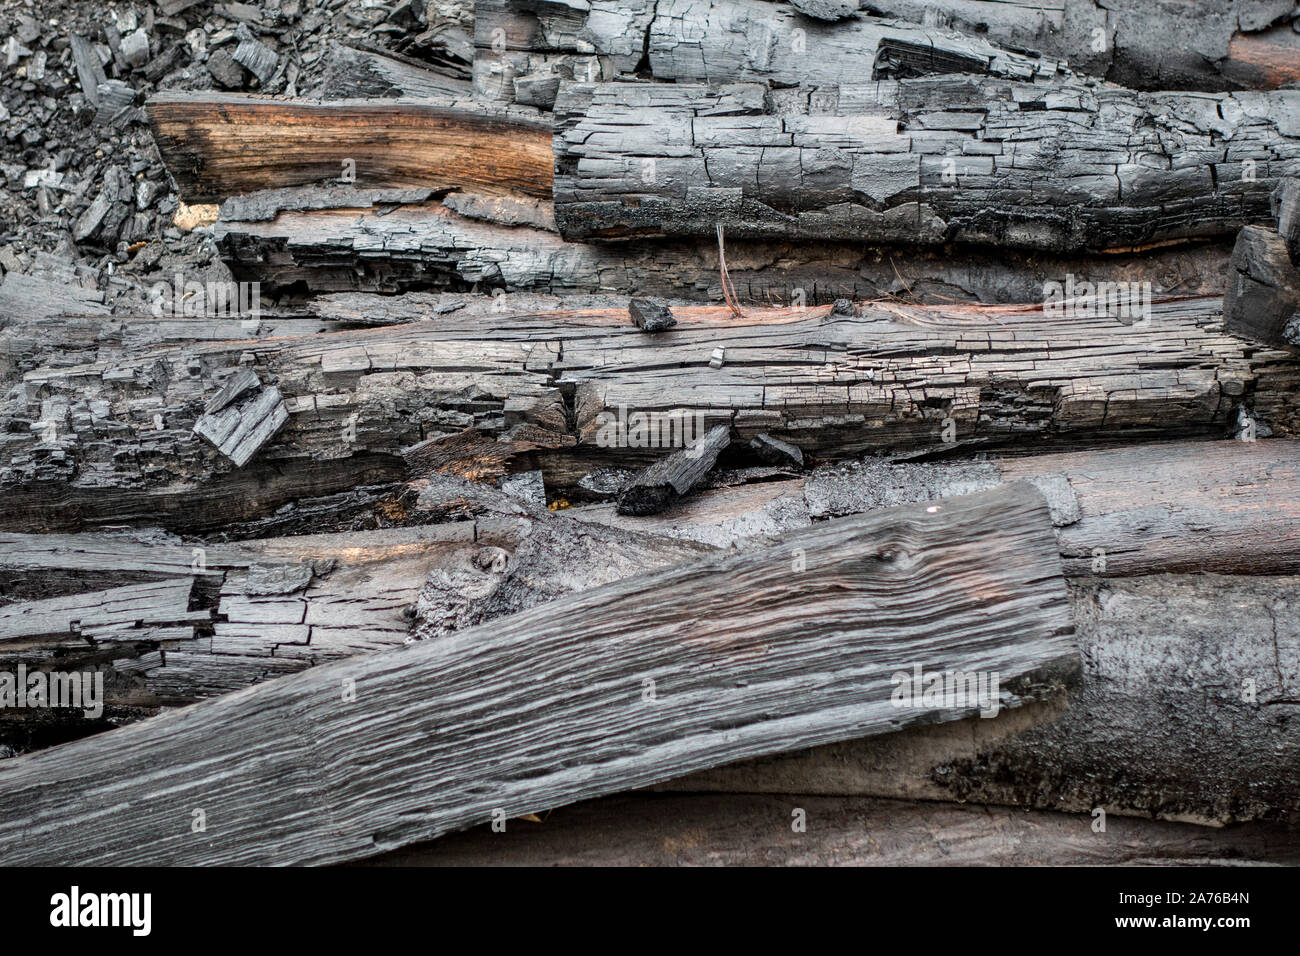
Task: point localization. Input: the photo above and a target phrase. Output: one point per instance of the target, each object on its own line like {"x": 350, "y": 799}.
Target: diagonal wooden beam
{"x": 624, "y": 686}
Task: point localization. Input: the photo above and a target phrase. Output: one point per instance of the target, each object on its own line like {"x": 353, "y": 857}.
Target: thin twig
{"x": 728, "y": 292}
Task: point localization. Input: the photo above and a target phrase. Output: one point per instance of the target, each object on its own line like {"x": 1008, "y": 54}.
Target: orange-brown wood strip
{"x": 219, "y": 145}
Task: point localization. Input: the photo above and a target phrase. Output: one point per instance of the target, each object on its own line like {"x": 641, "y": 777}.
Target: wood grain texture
{"x": 1186, "y": 711}
{"x": 755, "y": 830}
{"x": 550, "y": 709}
{"x": 836, "y": 386}
{"x": 1060, "y": 167}
{"x": 222, "y": 144}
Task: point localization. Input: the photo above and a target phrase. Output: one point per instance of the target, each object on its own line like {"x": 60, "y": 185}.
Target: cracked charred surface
{"x": 171, "y": 621}
{"x": 1189, "y": 709}
{"x": 111, "y": 440}
{"x": 522, "y": 49}
{"x": 1193, "y": 45}
{"x": 1064, "y": 167}
{"x": 429, "y": 245}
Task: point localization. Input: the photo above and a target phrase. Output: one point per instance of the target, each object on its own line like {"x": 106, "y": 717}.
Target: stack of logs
{"x": 424, "y": 551}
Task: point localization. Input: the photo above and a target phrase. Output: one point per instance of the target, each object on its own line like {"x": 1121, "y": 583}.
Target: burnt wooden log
{"x": 1201, "y": 45}
{"x": 1186, "y": 711}
{"x": 518, "y": 44}
{"x": 218, "y": 145}
{"x": 1204, "y": 45}
{"x": 1170, "y": 507}
{"x": 1152, "y": 640}
{"x": 1213, "y": 509}
{"x": 1262, "y": 301}
{"x": 755, "y": 830}
{"x": 673, "y": 476}
{"x": 1062, "y": 167}
{"x": 771, "y": 680}
{"x": 353, "y": 247}
{"x": 111, "y": 441}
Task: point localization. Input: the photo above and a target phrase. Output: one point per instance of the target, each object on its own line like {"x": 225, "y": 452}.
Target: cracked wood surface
{"x": 1061, "y": 167}
{"x": 111, "y": 440}
{"x": 1149, "y": 637}
{"x": 170, "y": 622}
{"x": 757, "y": 678}
{"x": 1198, "y": 45}
{"x": 222, "y": 144}
{"x": 523, "y": 48}
{"x": 1194, "y": 44}
{"x": 355, "y": 247}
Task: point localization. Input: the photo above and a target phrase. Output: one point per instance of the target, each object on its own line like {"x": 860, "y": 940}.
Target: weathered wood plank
{"x": 112, "y": 441}
{"x": 222, "y": 144}
{"x": 555, "y": 707}
{"x": 757, "y": 830}
{"x": 1062, "y": 167}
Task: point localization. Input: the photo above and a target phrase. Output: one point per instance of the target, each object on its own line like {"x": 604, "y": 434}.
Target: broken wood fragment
{"x": 651, "y": 314}
{"x": 1263, "y": 297}
{"x": 773, "y": 451}
{"x": 673, "y": 476}
{"x": 238, "y": 432}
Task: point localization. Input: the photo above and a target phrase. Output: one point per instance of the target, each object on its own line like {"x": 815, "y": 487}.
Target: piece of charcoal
{"x": 114, "y": 96}
{"x": 90, "y": 71}
{"x": 258, "y": 59}
{"x": 90, "y": 221}
{"x": 225, "y": 70}
{"x": 135, "y": 48}
{"x": 651, "y": 315}
{"x": 673, "y": 476}
{"x": 276, "y": 579}
{"x": 243, "y": 381}
{"x": 773, "y": 451}
{"x": 239, "y": 431}
{"x": 829, "y": 10}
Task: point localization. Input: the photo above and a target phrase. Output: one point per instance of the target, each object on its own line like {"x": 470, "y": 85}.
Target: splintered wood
{"x": 619, "y": 687}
